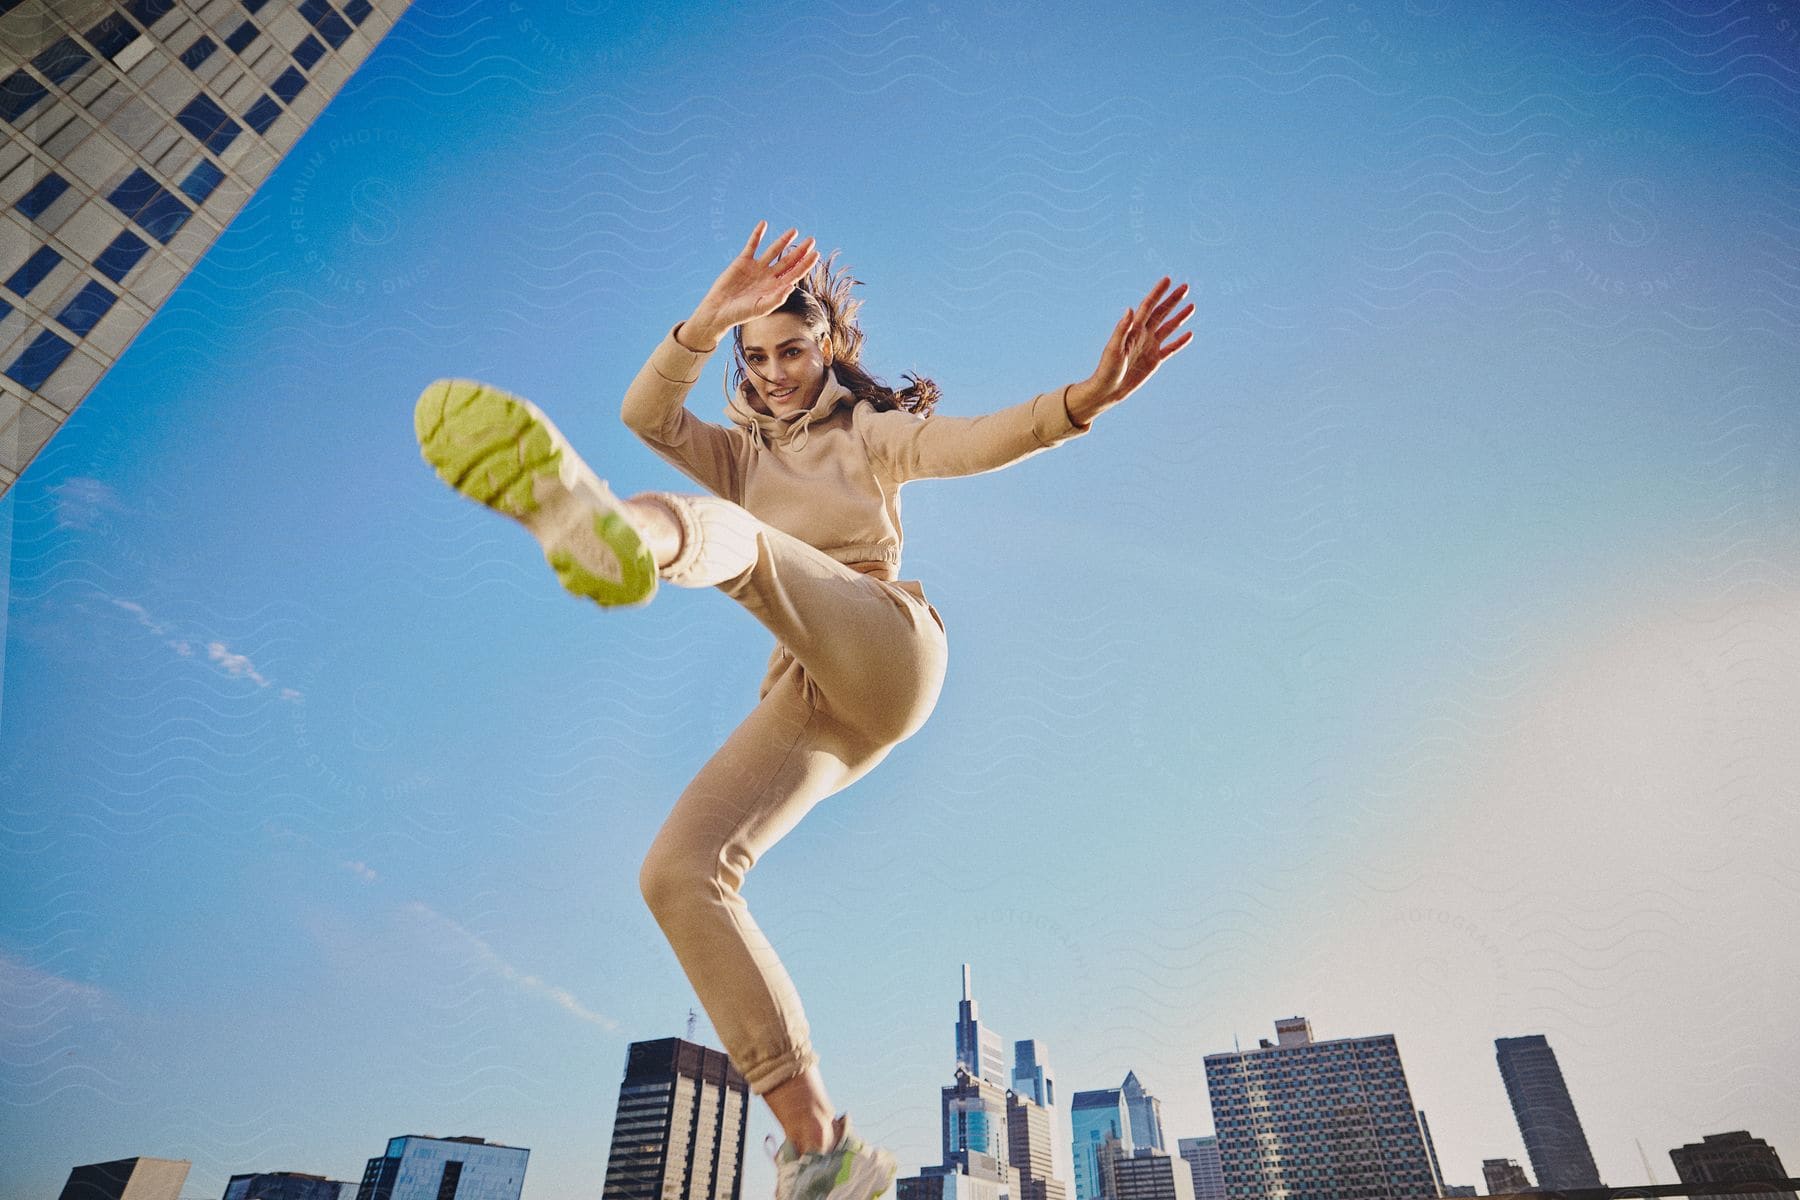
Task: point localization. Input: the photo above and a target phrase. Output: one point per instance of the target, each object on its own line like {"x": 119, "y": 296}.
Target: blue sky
{"x": 1416, "y": 652}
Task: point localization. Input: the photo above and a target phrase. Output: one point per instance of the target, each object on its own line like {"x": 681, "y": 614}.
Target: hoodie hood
{"x": 789, "y": 432}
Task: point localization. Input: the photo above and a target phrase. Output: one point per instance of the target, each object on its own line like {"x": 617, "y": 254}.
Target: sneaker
{"x": 501, "y": 450}
{"x": 850, "y": 1170}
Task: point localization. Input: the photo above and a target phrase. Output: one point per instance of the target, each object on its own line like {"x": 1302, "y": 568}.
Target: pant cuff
{"x": 681, "y": 571}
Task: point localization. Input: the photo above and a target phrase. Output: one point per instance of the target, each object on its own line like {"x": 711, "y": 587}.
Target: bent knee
{"x": 665, "y": 880}
{"x": 893, "y": 714}
{"x": 671, "y": 877}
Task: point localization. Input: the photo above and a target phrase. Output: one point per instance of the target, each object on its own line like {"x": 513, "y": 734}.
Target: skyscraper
{"x": 974, "y": 1125}
{"x": 1202, "y": 1154}
{"x": 1151, "y": 1174}
{"x": 127, "y": 1179}
{"x": 1546, "y": 1115}
{"x": 1504, "y": 1177}
{"x": 1032, "y": 1076}
{"x": 434, "y": 1168}
{"x": 137, "y": 130}
{"x": 1100, "y": 1126}
{"x": 1031, "y": 1139}
{"x": 977, "y": 1145}
{"x": 1729, "y": 1157}
{"x": 680, "y": 1127}
{"x": 978, "y": 1047}
{"x": 1331, "y": 1120}
{"x": 1146, "y": 1113}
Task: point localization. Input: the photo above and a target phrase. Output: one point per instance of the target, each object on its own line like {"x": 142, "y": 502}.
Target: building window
{"x": 291, "y": 84}
{"x": 40, "y": 358}
{"x": 308, "y": 51}
{"x": 208, "y": 122}
{"x": 163, "y": 217}
{"x": 201, "y": 181}
{"x": 137, "y": 190}
{"x": 254, "y": 5}
{"x": 116, "y": 261}
{"x": 324, "y": 18}
{"x": 199, "y": 52}
{"x": 356, "y": 10}
{"x": 112, "y": 35}
{"x": 18, "y": 93}
{"x": 61, "y": 60}
{"x": 149, "y": 204}
{"x": 147, "y": 11}
{"x": 242, "y": 36}
{"x": 33, "y": 271}
{"x": 42, "y": 195}
{"x": 262, "y": 114}
{"x": 86, "y": 307}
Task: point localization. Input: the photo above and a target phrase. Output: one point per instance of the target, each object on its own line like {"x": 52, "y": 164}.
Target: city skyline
{"x": 662, "y": 1114}
{"x": 1418, "y": 651}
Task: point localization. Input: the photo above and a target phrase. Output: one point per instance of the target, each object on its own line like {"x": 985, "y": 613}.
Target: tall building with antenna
{"x": 978, "y": 1047}
{"x": 136, "y": 131}
{"x": 681, "y": 1125}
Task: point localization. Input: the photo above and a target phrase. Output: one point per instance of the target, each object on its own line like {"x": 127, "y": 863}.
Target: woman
{"x": 802, "y": 527}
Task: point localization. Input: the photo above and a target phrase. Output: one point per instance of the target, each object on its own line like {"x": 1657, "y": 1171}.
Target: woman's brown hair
{"x": 823, "y": 301}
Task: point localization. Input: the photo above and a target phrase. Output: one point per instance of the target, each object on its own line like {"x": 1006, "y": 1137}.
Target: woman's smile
{"x": 785, "y": 359}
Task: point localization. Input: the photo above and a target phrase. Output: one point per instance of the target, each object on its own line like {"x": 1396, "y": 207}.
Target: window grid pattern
{"x": 88, "y": 68}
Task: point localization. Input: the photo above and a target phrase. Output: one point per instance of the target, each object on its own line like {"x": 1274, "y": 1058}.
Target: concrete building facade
{"x": 135, "y": 132}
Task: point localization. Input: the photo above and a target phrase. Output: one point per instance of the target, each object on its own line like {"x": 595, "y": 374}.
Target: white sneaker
{"x": 851, "y": 1169}
{"x": 501, "y": 450}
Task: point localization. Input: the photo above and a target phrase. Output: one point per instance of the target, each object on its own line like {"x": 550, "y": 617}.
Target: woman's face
{"x": 787, "y": 366}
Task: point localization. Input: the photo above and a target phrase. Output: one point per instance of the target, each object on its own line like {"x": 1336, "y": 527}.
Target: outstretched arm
{"x": 937, "y": 447}
{"x": 1139, "y": 344}
{"x": 655, "y": 404}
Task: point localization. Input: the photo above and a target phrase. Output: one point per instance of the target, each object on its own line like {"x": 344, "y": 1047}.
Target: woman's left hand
{"x": 1139, "y": 344}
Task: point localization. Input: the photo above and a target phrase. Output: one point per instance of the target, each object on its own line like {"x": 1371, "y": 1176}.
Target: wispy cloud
{"x": 361, "y": 870}
{"x": 29, "y": 996}
{"x": 238, "y": 666}
{"x": 81, "y": 500}
{"x": 560, "y": 996}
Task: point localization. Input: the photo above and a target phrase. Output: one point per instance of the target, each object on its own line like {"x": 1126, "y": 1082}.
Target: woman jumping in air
{"x": 802, "y": 528}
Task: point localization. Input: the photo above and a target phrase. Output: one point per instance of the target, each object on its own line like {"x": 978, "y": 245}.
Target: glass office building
{"x": 135, "y": 131}
{"x": 1146, "y": 1114}
{"x": 977, "y": 1046}
{"x": 1031, "y": 1074}
{"x": 1100, "y": 1131}
{"x": 455, "y": 1168}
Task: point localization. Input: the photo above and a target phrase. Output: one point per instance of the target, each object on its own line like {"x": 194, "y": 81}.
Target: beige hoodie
{"x": 830, "y": 475}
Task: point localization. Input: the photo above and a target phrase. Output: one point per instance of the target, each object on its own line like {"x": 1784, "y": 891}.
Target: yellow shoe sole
{"x": 501, "y": 450}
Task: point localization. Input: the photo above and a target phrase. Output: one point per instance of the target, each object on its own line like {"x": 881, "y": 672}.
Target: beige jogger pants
{"x": 858, "y": 665}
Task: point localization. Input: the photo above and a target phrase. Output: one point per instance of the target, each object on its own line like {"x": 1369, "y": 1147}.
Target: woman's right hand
{"x": 751, "y": 286}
